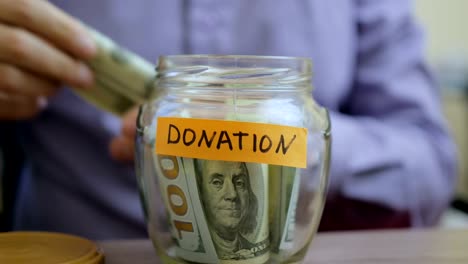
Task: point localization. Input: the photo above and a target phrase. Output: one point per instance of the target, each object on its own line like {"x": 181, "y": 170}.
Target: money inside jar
{"x": 232, "y": 159}
{"x": 228, "y": 210}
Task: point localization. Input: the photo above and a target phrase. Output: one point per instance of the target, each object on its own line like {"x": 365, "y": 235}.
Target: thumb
{"x": 129, "y": 123}
{"x": 122, "y": 147}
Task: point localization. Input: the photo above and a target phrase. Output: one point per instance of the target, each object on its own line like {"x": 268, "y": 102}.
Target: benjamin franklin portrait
{"x": 230, "y": 205}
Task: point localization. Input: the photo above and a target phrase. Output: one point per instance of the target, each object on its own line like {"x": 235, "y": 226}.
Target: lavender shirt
{"x": 390, "y": 142}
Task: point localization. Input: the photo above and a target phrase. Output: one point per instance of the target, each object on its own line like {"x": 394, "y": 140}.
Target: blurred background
{"x": 448, "y": 55}
{"x": 447, "y": 52}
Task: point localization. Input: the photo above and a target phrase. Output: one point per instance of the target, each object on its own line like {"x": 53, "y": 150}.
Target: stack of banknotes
{"x": 123, "y": 80}
{"x": 229, "y": 212}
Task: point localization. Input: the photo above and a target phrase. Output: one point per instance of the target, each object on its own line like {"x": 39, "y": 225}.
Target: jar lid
{"x": 46, "y": 247}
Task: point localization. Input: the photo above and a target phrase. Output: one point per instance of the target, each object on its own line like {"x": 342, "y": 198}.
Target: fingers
{"x": 20, "y": 107}
{"x": 122, "y": 149}
{"x": 41, "y": 47}
{"x": 22, "y": 94}
{"x": 36, "y": 41}
{"x": 44, "y": 19}
{"x": 16, "y": 81}
{"x": 23, "y": 49}
{"x": 129, "y": 123}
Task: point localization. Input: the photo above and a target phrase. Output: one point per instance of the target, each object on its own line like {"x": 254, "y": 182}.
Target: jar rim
{"x": 233, "y": 56}
{"x": 246, "y": 70}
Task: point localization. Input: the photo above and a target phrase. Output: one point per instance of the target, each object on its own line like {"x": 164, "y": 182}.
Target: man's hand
{"x": 122, "y": 148}
{"x": 41, "y": 48}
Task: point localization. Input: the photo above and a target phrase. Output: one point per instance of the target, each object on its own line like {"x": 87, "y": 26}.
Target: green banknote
{"x": 123, "y": 80}
{"x": 218, "y": 210}
{"x": 284, "y": 182}
{"x": 188, "y": 225}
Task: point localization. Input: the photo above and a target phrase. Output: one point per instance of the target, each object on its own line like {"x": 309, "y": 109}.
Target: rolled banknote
{"x": 218, "y": 210}
{"x": 284, "y": 189}
{"x": 184, "y": 209}
{"x": 235, "y": 203}
{"x": 122, "y": 78}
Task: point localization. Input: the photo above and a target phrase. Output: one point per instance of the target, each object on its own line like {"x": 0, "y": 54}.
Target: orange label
{"x": 232, "y": 141}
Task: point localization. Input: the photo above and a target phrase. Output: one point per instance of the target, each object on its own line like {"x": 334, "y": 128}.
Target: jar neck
{"x": 249, "y": 73}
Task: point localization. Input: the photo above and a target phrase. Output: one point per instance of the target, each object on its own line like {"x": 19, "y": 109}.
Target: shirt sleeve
{"x": 390, "y": 144}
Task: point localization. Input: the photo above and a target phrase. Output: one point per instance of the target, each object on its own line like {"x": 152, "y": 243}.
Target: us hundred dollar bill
{"x": 235, "y": 203}
{"x": 184, "y": 209}
{"x": 122, "y": 78}
{"x": 225, "y": 211}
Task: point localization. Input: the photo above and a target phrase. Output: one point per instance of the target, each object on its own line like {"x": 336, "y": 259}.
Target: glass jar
{"x": 232, "y": 159}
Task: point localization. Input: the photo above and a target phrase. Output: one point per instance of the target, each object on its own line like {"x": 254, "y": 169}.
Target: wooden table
{"x": 376, "y": 247}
